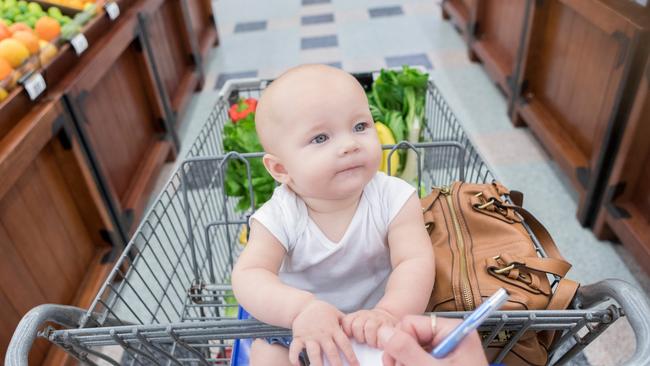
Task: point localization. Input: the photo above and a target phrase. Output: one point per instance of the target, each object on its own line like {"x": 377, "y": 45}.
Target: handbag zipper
{"x": 466, "y": 291}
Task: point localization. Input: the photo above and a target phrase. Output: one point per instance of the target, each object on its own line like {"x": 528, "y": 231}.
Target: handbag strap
{"x": 554, "y": 266}
{"x": 540, "y": 232}
{"x": 561, "y": 300}
{"x": 428, "y": 201}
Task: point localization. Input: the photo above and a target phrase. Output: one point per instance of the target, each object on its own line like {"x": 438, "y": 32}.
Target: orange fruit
{"x": 13, "y": 51}
{"x": 5, "y": 69}
{"x": 4, "y": 31}
{"x": 19, "y": 27}
{"x": 28, "y": 39}
{"x": 47, "y": 28}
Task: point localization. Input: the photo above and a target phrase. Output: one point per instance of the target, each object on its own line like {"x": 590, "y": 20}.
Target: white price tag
{"x": 35, "y": 85}
{"x": 79, "y": 43}
{"x": 112, "y": 9}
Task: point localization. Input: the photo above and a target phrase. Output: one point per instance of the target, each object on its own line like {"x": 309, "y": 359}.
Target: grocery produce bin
{"x": 168, "y": 298}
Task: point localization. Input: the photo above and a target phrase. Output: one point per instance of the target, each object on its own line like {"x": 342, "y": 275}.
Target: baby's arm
{"x": 258, "y": 289}
{"x": 410, "y": 283}
{"x": 256, "y": 284}
{"x": 409, "y": 286}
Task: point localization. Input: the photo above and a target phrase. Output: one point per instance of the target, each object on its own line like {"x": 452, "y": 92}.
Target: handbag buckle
{"x": 504, "y": 269}
{"x": 486, "y": 204}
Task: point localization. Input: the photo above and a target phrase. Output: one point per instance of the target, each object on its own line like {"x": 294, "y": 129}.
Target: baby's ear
{"x": 274, "y": 166}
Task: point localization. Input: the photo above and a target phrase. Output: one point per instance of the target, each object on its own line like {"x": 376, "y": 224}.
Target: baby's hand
{"x": 364, "y": 324}
{"x": 317, "y": 327}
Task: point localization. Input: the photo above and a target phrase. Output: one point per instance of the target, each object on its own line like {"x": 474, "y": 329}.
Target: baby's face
{"x": 328, "y": 143}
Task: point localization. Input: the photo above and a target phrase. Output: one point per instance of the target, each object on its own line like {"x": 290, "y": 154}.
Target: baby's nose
{"x": 349, "y": 146}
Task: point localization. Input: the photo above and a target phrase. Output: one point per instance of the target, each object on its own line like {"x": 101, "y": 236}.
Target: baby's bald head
{"x": 300, "y": 90}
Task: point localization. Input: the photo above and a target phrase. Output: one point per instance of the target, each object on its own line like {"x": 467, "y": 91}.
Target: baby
{"x": 340, "y": 249}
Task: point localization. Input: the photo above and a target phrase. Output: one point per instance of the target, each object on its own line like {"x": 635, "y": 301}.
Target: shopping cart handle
{"x": 27, "y": 329}
{"x": 635, "y": 305}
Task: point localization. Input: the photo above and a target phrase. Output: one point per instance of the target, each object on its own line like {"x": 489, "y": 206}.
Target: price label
{"x": 35, "y": 85}
{"x": 112, "y": 9}
{"x": 79, "y": 43}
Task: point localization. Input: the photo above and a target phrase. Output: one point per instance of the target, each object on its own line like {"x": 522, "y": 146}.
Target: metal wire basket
{"x": 168, "y": 299}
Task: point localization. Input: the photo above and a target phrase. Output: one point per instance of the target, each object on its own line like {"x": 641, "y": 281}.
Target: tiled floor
{"x": 365, "y": 35}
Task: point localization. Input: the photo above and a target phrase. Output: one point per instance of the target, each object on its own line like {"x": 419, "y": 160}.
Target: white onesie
{"x": 352, "y": 273}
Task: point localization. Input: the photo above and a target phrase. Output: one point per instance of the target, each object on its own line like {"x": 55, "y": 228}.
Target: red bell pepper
{"x": 242, "y": 109}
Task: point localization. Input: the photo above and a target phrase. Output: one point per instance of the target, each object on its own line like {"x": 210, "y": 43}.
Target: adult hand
{"x": 410, "y": 342}
{"x": 317, "y": 329}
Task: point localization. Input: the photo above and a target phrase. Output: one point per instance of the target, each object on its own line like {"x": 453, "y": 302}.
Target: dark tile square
{"x": 412, "y": 60}
{"x": 385, "y": 11}
{"x": 222, "y": 78}
{"x": 319, "y": 42}
{"x": 250, "y": 26}
{"x": 317, "y": 19}
{"x": 314, "y": 2}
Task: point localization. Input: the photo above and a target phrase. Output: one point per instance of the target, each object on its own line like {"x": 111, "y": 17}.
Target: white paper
{"x": 35, "y": 85}
{"x": 79, "y": 43}
{"x": 113, "y": 10}
{"x": 366, "y": 355}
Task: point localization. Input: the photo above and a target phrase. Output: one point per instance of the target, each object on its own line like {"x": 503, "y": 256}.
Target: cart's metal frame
{"x": 165, "y": 301}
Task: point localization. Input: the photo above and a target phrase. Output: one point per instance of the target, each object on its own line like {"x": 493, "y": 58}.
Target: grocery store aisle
{"x": 262, "y": 39}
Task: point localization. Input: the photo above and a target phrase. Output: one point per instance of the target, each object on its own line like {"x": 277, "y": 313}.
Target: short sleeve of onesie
{"x": 280, "y": 215}
{"x": 390, "y": 194}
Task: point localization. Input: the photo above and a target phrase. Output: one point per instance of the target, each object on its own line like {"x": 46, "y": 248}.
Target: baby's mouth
{"x": 349, "y": 169}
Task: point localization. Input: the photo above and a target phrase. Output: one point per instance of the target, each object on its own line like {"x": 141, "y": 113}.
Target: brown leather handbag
{"x": 481, "y": 245}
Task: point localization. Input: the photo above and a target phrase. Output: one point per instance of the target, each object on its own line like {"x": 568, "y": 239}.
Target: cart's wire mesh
{"x": 170, "y": 288}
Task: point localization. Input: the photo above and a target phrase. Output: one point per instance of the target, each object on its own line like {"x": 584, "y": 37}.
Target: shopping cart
{"x": 168, "y": 299}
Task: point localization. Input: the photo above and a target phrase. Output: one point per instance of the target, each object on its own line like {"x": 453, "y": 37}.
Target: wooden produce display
{"x": 59, "y": 66}
{"x": 625, "y": 210}
{"x": 498, "y": 31}
{"x": 579, "y": 54}
{"x": 462, "y": 15}
{"x": 54, "y": 227}
{"x": 171, "y": 40}
{"x": 120, "y": 114}
{"x": 18, "y": 103}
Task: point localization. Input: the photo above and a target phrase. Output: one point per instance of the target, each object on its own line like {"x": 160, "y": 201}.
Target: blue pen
{"x": 492, "y": 304}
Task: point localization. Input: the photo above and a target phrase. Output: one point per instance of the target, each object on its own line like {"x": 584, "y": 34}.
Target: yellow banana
{"x": 386, "y": 138}
{"x": 243, "y": 235}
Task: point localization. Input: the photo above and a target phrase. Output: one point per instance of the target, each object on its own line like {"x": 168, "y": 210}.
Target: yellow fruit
{"x": 3, "y": 94}
{"x": 13, "y": 52}
{"x": 48, "y": 52}
{"x": 386, "y": 138}
{"x": 243, "y": 235}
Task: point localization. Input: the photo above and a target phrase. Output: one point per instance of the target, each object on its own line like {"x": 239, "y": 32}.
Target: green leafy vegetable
{"x": 242, "y": 137}
{"x": 397, "y": 99}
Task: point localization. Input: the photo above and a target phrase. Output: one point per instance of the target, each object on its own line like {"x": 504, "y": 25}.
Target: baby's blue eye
{"x": 360, "y": 127}
{"x": 319, "y": 139}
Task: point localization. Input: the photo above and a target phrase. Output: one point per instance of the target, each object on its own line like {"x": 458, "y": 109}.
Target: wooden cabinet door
{"x": 579, "y": 54}
{"x": 203, "y": 25}
{"x": 120, "y": 115}
{"x": 462, "y": 14}
{"x": 54, "y": 225}
{"x": 174, "y": 50}
{"x": 497, "y": 38}
{"x": 625, "y": 210}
